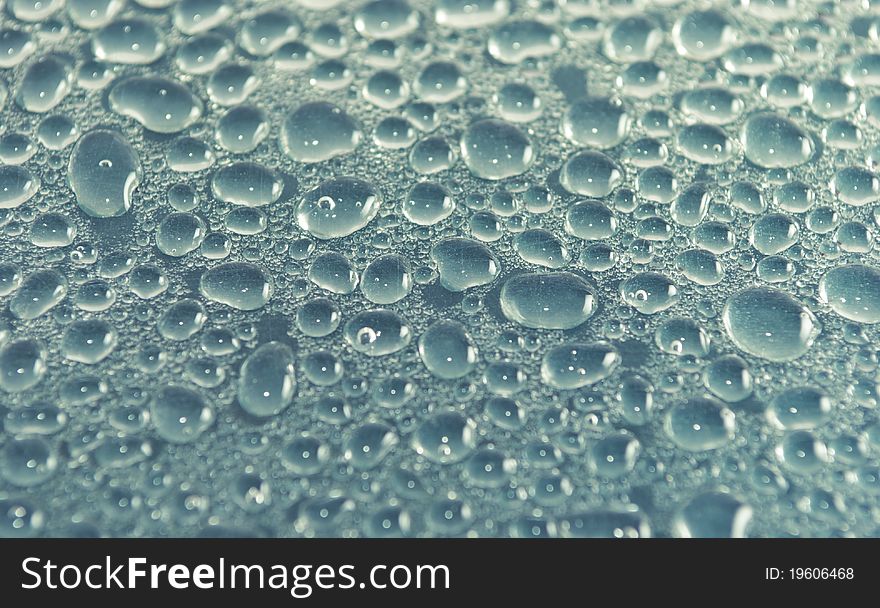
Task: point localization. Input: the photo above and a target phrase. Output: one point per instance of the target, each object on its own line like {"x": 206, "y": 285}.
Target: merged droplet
{"x": 128, "y": 41}
{"x": 590, "y": 173}
{"x": 157, "y": 103}
{"x": 318, "y": 131}
{"x": 516, "y": 41}
{"x": 39, "y": 292}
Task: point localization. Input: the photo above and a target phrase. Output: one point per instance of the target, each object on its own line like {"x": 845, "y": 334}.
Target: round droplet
{"x": 728, "y": 378}
{"x": 368, "y": 444}
{"x": 45, "y": 84}
{"x": 17, "y": 186}
{"x": 468, "y": 14}
{"x": 246, "y": 183}
{"x": 799, "y": 408}
{"x": 773, "y": 142}
{"x": 386, "y": 279}
{"x": 770, "y": 324}
{"x": 431, "y": 155}
{"x": 15, "y": 46}
{"x": 387, "y": 19}
{"x": 856, "y": 186}
{"x": 597, "y": 122}
{"x": 590, "y": 173}
{"x": 428, "y": 203}
{"x": 187, "y": 155}
{"x": 447, "y": 350}
{"x": 104, "y": 171}
{"x": 242, "y": 128}
{"x": 445, "y": 438}
{"x": 240, "y": 285}
{"x": 494, "y": 149}
{"x": 551, "y": 300}
{"x": 182, "y": 320}
{"x": 703, "y": 35}
{"x": 632, "y": 39}
{"x": 317, "y": 318}
{"x": 706, "y": 144}
{"x": 28, "y": 462}
{"x": 267, "y": 382}
{"x": 700, "y": 423}
{"x": 22, "y": 365}
{"x": 516, "y": 41}
{"x": 377, "y": 332}
{"x": 713, "y": 515}
{"x": 147, "y": 281}
{"x": 180, "y": 414}
{"x": 88, "y": 341}
{"x": 338, "y": 207}
{"x": 773, "y": 233}
{"x": 179, "y": 234}
{"x": 440, "y": 82}
{"x": 853, "y": 292}
{"x": 518, "y": 103}
{"x": 334, "y": 272}
{"x": 386, "y": 89}
{"x": 649, "y": 292}
{"x": 682, "y": 337}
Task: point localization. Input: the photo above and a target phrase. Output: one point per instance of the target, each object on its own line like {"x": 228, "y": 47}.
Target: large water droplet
{"x": 104, "y": 171}
{"x": 770, "y": 324}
